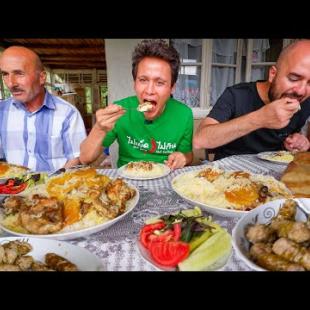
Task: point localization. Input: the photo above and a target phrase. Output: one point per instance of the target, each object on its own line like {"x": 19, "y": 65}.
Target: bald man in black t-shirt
{"x": 265, "y": 115}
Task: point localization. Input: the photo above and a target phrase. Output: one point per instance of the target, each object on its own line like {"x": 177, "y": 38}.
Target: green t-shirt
{"x": 140, "y": 140}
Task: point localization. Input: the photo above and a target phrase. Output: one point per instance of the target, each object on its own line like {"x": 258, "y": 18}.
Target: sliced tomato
{"x": 11, "y": 189}
{"x": 169, "y": 253}
{"x": 146, "y": 233}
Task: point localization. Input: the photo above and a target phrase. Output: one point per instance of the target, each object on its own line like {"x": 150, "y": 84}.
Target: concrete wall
{"x": 118, "y": 58}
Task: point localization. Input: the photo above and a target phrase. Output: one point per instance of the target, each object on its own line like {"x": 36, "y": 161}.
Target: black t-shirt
{"x": 242, "y": 99}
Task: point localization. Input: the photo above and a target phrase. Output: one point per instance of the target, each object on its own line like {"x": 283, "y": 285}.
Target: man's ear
{"x": 272, "y": 73}
{"x": 42, "y": 77}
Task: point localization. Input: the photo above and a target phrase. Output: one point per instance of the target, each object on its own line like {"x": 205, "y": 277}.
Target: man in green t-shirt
{"x": 164, "y": 132}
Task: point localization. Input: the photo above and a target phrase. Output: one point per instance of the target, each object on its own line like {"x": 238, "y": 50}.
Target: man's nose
{"x": 150, "y": 88}
{"x": 11, "y": 81}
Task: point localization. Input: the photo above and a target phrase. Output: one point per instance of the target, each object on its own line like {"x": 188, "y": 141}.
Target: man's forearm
{"x": 212, "y": 135}
{"x": 92, "y": 147}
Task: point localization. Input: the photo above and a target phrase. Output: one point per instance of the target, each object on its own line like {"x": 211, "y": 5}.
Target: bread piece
{"x": 297, "y": 175}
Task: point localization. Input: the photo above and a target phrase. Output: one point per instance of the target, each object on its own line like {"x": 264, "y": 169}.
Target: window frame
{"x": 206, "y": 65}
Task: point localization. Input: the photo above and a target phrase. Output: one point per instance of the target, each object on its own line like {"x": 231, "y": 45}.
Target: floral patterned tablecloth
{"x": 117, "y": 247}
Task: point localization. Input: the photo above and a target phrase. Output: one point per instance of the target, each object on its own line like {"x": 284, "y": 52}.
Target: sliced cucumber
{"x": 210, "y": 255}
{"x": 192, "y": 212}
{"x": 196, "y": 242}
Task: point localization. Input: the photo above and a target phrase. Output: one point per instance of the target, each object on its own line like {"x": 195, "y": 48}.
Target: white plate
{"x": 208, "y": 207}
{"x": 261, "y": 215}
{"x": 82, "y": 258}
{"x": 82, "y": 232}
{"x": 122, "y": 173}
{"x": 268, "y": 156}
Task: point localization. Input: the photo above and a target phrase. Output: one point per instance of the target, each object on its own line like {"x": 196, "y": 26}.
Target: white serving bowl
{"x": 260, "y": 215}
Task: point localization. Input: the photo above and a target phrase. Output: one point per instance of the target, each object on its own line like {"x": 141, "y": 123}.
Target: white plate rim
{"x": 166, "y": 172}
{"x": 82, "y": 232}
{"x": 66, "y": 247}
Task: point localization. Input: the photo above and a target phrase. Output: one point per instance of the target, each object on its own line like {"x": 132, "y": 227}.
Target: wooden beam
{"x": 46, "y": 50}
{"x": 52, "y": 45}
{"x": 70, "y": 58}
{"x": 64, "y": 55}
{"x": 78, "y": 67}
{"x": 76, "y": 61}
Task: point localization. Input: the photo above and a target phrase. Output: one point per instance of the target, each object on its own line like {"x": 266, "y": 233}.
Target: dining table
{"x": 117, "y": 247}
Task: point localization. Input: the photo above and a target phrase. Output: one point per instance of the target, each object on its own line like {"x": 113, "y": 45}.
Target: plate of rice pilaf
{"x": 279, "y": 157}
{"x": 228, "y": 193}
{"x": 71, "y": 205}
{"x": 143, "y": 170}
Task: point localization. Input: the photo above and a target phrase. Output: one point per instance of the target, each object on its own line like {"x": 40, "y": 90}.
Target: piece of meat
{"x": 119, "y": 193}
{"x": 13, "y": 204}
{"x": 24, "y": 262}
{"x": 38, "y": 266}
{"x": 296, "y": 231}
{"x": 260, "y": 233}
{"x": 59, "y": 263}
{"x": 292, "y": 251}
{"x": 262, "y": 255}
{"x": 209, "y": 174}
{"x": 9, "y": 267}
{"x": 10, "y": 256}
{"x": 45, "y": 216}
{"x": 10, "y": 251}
{"x": 104, "y": 209}
{"x": 143, "y": 165}
{"x": 21, "y": 247}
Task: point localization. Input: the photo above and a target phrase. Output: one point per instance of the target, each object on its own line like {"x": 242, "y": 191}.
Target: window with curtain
{"x": 224, "y": 66}
{"x": 208, "y": 66}
{"x": 264, "y": 54}
{"x": 189, "y": 80}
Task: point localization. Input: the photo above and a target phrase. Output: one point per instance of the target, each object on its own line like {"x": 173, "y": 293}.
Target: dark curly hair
{"x": 160, "y": 49}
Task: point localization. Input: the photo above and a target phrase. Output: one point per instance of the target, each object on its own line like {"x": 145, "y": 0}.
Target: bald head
{"x": 300, "y": 48}
{"x": 23, "y": 52}
{"x": 24, "y": 75}
{"x": 290, "y": 76}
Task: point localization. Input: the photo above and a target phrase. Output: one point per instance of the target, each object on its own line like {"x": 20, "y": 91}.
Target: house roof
{"x": 65, "y": 53}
